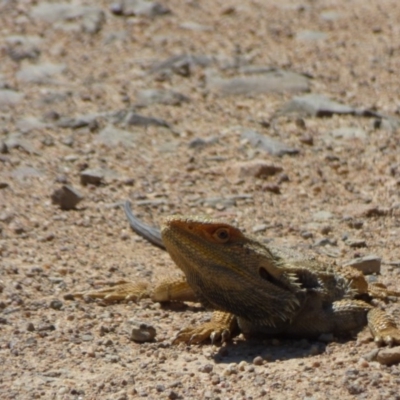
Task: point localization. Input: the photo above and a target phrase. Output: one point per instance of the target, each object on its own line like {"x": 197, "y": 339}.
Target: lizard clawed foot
{"x": 209, "y": 330}
{"x": 121, "y": 291}
{"x": 388, "y": 337}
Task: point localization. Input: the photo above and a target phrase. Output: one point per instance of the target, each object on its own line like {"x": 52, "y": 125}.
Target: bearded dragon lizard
{"x": 254, "y": 287}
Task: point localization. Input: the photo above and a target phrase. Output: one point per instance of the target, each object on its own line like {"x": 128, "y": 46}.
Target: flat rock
{"x": 10, "y": 97}
{"x": 140, "y": 7}
{"x": 270, "y": 145}
{"x": 159, "y": 96}
{"x": 370, "y": 264}
{"x": 40, "y": 73}
{"x": 315, "y": 105}
{"x": 355, "y": 243}
{"x": 70, "y": 17}
{"x": 77, "y": 122}
{"x": 98, "y": 176}
{"x": 254, "y": 168}
{"x": 181, "y": 64}
{"x": 92, "y": 176}
{"x": 389, "y": 356}
{"x": 133, "y": 118}
{"x": 66, "y": 197}
{"x": 275, "y": 81}
{"x": 111, "y": 136}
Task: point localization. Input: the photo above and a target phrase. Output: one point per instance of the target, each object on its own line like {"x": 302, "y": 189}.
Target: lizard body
{"x": 260, "y": 289}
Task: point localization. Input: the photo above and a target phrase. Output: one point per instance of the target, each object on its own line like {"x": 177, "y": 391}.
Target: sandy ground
{"x": 76, "y": 110}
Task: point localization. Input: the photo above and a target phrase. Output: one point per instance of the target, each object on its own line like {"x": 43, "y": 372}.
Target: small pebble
{"x": 258, "y": 360}
{"x": 142, "y": 332}
{"x": 56, "y": 304}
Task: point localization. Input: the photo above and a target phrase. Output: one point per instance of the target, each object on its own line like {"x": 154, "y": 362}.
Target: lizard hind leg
{"x": 383, "y": 328}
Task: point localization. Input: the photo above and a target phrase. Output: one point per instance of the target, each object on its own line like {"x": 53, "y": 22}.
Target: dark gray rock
{"x": 367, "y": 265}
{"x": 139, "y": 7}
{"x": 140, "y": 120}
{"x": 92, "y": 176}
{"x": 275, "y": 81}
{"x": 198, "y": 143}
{"x": 56, "y": 304}
{"x": 66, "y": 197}
{"x": 271, "y": 146}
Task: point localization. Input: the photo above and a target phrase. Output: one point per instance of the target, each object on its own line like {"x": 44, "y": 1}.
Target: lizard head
{"x": 229, "y": 270}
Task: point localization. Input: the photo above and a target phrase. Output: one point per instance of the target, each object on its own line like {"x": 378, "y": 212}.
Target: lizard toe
{"x": 121, "y": 291}
{"x": 206, "y": 331}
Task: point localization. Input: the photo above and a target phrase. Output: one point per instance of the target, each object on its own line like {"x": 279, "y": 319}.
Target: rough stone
{"x": 66, "y": 197}
{"x": 140, "y": 7}
{"x": 367, "y": 265}
{"x": 389, "y": 356}
{"x": 140, "y": 120}
{"x": 23, "y": 47}
{"x": 254, "y": 168}
{"x": 140, "y": 331}
{"x": 271, "y": 146}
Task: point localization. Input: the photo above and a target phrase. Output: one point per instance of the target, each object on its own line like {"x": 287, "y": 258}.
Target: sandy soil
{"x": 73, "y": 81}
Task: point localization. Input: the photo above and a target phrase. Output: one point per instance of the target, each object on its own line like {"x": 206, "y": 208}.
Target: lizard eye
{"x": 222, "y": 235}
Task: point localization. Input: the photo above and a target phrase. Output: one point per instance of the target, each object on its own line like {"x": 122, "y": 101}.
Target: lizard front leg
{"x": 383, "y": 327}
{"x": 220, "y": 327}
{"x": 168, "y": 289}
